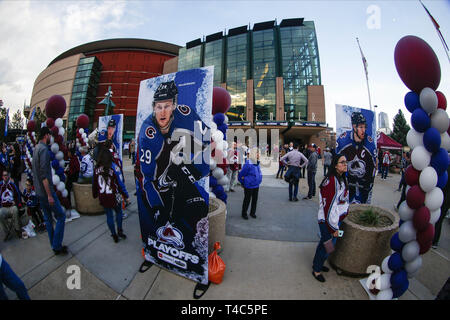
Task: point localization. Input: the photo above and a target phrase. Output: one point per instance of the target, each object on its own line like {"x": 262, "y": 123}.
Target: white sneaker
{"x": 74, "y": 214}
{"x": 68, "y": 215}
{"x": 124, "y": 215}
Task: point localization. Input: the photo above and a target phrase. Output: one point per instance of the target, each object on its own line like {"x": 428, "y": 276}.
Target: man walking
{"x": 48, "y": 200}
{"x": 312, "y": 169}
{"x": 295, "y": 161}
{"x": 327, "y": 156}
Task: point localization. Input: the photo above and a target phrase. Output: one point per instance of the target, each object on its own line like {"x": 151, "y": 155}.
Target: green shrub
{"x": 369, "y": 218}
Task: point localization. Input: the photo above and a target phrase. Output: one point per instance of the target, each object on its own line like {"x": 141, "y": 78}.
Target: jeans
{"x": 12, "y": 281}
{"x": 384, "y": 172}
{"x": 321, "y": 254}
{"x": 110, "y": 218}
{"x": 250, "y": 194}
{"x": 295, "y": 187}
{"x": 311, "y": 183}
{"x": 280, "y": 171}
{"x": 55, "y": 235}
{"x": 133, "y": 158}
{"x": 232, "y": 177}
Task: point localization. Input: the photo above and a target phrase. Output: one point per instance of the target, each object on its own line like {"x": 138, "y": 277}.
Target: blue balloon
{"x": 439, "y": 161}
{"x": 396, "y": 244}
{"x": 442, "y": 180}
{"x": 212, "y": 181}
{"x": 219, "y": 189}
{"x": 420, "y": 120}
{"x": 219, "y": 118}
{"x": 59, "y": 171}
{"x": 395, "y": 261}
{"x": 412, "y": 101}
{"x": 432, "y": 140}
{"x": 52, "y": 156}
{"x": 223, "y": 127}
{"x": 55, "y": 164}
{"x": 399, "y": 291}
{"x": 399, "y": 278}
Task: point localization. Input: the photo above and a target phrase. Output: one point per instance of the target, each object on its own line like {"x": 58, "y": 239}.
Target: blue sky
{"x": 38, "y": 31}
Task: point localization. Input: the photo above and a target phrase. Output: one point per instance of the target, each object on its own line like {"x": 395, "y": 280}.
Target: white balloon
{"x": 55, "y": 179}
{"x": 59, "y": 122}
{"x": 407, "y": 232}
{"x": 223, "y": 181}
{"x": 54, "y": 147}
{"x": 62, "y": 163}
{"x": 440, "y": 120}
{"x": 213, "y": 127}
{"x": 385, "y": 266}
{"x": 59, "y": 155}
{"x": 412, "y": 274}
{"x": 33, "y": 134}
{"x": 61, "y": 131}
{"x": 414, "y": 265}
{"x": 385, "y": 281}
{"x": 420, "y": 158}
{"x": 428, "y": 100}
{"x": 217, "y": 136}
{"x": 53, "y": 171}
{"x": 83, "y": 136}
{"x": 434, "y": 199}
{"x": 52, "y": 140}
{"x": 405, "y": 212}
{"x": 65, "y": 193}
{"x": 435, "y": 215}
{"x": 414, "y": 138}
{"x": 212, "y": 195}
{"x": 220, "y": 145}
{"x": 385, "y": 294}
{"x": 78, "y": 145}
{"x": 225, "y": 145}
{"x": 218, "y": 173}
{"x": 428, "y": 179}
{"x": 61, "y": 186}
{"x": 445, "y": 141}
{"x": 81, "y": 130}
{"x": 212, "y": 164}
{"x": 86, "y": 140}
{"x": 410, "y": 251}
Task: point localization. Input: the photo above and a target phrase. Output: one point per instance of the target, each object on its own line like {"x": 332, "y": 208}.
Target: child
{"x": 31, "y": 200}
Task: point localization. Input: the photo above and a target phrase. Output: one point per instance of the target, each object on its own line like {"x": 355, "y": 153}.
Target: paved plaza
{"x": 269, "y": 257}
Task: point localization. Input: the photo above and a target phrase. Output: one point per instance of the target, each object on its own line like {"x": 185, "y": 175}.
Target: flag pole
{"x": 365, "y": 70}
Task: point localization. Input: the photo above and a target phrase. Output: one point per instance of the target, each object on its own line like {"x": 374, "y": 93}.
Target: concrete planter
{"x": 85, "y": 203}
{"x": 216, "y": 218}
{"x": 362, "y": 246}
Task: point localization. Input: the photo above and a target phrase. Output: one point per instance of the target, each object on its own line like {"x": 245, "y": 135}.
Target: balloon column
{"x": 219, "y": 145}
{"x": 30, "y": 145}
{"x": 82, "y": 130}
{"x": 54, "y": 110}
{"x": 419, "y": 69}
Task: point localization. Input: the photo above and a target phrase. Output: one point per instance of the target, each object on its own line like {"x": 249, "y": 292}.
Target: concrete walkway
{"x": 267, "y": 258}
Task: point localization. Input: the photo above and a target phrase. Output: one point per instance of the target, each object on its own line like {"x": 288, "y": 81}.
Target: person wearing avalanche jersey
{"x": 10, "y": 201}
{"x": 106, "y": 185}
{"x": 360, "y": 151}
{"x": 166, "y": 179}
{"x": 333, "y": 208}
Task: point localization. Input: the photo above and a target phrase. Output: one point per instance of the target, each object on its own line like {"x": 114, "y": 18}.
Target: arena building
{"x": 82, "y": 75}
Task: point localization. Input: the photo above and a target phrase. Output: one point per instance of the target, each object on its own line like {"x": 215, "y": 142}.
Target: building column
{"x": 279, "y": 99}
{"x": 250, "y": 100}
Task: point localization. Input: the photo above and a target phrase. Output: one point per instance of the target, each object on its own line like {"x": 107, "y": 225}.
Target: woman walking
{"x": 107, "y": 185}
{"x": 333, "y": 209}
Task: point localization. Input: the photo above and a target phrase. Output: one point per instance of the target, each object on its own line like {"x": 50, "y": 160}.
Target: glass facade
{"x": 84, "y": 91}
{"x": 236, "y": 76}
{"x": 300, "y": 66}
{"x": 213, "y": 57}
{"x": 289, "y": 51}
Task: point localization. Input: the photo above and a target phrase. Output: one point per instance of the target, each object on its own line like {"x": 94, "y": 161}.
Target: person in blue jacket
{"x": 250, "y": 177}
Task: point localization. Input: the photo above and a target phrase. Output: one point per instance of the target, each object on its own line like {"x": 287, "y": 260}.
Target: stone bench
{"x": 216, "y": 217}
{"x": 85, "y": 203}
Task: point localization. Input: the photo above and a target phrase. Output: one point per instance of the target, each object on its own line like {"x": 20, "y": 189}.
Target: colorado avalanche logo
{"x": 150, "y": 132}
{"x": 7, "y": 196}
{"x": 357, "y": 167}
{"x": 170, "y": 235}
{"x": 185, "y": 110}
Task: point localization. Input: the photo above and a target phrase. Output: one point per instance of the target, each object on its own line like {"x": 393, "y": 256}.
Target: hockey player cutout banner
{"x": 356, "y": 141}
{"x": 111, "y": 127}
{"x": 173, "y": 138}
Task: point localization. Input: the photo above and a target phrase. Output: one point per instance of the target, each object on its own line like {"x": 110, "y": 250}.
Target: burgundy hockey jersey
{"x": 106, "y": 189}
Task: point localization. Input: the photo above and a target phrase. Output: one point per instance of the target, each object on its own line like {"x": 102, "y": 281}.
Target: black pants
{"x": 36, "y": 216}
{"x": 438, "y": 225}
{"x": 311, "y": 183}
{"x": 403, "y": 195}
{"x": 253, "y": 195}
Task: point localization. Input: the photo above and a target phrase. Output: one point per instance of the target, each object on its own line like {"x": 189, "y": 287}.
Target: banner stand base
{"x": 145, "y": 266}
{"x": 201, "y": 287}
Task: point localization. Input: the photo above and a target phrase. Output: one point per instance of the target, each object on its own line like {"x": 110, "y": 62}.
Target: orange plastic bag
{"x": 216, "y": 266}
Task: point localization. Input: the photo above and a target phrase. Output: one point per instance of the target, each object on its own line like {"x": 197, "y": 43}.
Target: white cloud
{"x": 38, "y": 31}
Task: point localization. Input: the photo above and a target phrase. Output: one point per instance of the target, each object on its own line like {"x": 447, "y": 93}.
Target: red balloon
{"x": 59, "y": 139}
{"x": 417, "y": 64}
{"x": 221, "y": 100}
{"x": 54, "y": 131}
{"x": 425, "y": 247}
{"x": 31, "y": 125}
{"x": 55, "y": 107}
{"x": 50, "y": 123}
{"x": 421, "y": 218}
{"x": 415, "y": 197}
{"x": 442, "y": 101}
{"x": 425, "y": 236}
{"x": 82, "y": 121}
{"x": 411, "y": 176}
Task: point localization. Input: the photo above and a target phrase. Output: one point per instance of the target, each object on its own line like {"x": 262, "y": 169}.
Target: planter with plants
{"x": 366, "y": 241}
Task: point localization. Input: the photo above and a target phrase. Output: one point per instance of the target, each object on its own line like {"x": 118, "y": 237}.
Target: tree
{"x": 17, "y": 120}
{"x": 2, "y": 123}
{"x": 400, "y": 129}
